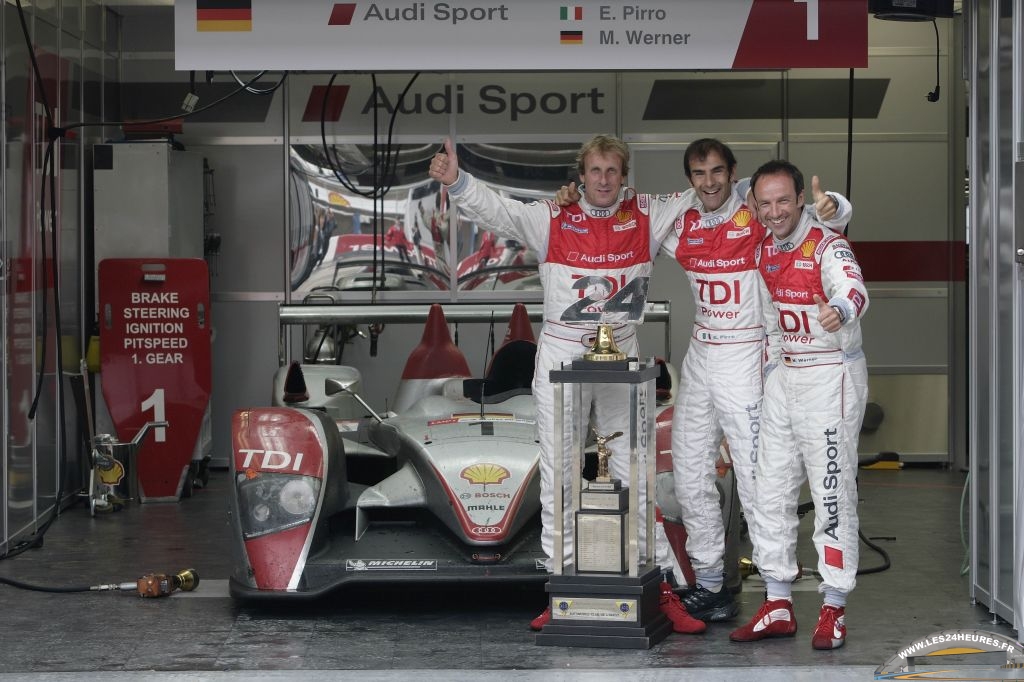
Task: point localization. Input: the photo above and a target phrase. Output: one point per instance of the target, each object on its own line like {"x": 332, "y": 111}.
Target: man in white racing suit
{"x": 815, "y": 393}
{"x": 595, "y": 261}
{"x": 720, "y": 380}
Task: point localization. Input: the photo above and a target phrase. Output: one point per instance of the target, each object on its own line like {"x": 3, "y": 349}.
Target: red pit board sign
{"x": 155, "y": 334}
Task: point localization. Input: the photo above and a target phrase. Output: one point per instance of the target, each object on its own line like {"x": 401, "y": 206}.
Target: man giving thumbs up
{"x": 814, "y": 399}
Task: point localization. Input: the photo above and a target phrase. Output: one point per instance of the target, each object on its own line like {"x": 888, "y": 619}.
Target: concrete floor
{"x": 389, "y": 634}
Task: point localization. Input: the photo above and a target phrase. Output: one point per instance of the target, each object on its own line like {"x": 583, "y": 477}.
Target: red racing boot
{"x": 830, "y": 633}
{"x": 540, "y": 621}
{"x": 677, "y": 614}
{"x": 774, "y": 619}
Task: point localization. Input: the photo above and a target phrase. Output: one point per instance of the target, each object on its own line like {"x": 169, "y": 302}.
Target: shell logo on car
{"x": 335, "y": 199}
{"x": 485, "y": 474}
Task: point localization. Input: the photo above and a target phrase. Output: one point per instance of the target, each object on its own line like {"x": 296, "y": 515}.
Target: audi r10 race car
{"x": 443, "y": 488}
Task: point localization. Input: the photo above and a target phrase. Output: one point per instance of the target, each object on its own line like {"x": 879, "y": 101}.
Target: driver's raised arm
{"x": 525, "y": 222}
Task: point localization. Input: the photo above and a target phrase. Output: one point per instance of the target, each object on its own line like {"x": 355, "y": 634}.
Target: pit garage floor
{"x": 466, "y": 634}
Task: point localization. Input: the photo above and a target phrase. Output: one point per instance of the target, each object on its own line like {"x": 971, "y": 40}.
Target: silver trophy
{"x": 604, "y": 596}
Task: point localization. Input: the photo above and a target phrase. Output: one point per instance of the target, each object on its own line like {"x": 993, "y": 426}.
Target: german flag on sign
{"x": 223, "y": 15}
{"x": 572, "y": 37}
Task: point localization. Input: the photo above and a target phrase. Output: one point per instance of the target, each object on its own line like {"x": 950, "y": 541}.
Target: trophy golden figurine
{"x": 602, "y": 519}
{"x": 604, "y": 347}
{"x": 603, "y": 454}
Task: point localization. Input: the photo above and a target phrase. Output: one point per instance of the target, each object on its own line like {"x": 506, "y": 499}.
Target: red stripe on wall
{"x": 223, "y": 14}
{"x": 912, "y": 261}
{"x": 335, "y": 103}
{"x": 341, "y": 14}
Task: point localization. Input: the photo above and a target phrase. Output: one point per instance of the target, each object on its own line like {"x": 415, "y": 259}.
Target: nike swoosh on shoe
{"x": 771, "y": 617}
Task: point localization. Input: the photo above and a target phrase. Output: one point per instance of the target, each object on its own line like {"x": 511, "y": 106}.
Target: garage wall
{"x": 76, "y": 47}
{"x": 906, "y": 186}
{"x": 996, "y": 308}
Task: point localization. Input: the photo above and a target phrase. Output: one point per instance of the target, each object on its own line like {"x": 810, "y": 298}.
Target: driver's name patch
{"x": 390, "y": 564}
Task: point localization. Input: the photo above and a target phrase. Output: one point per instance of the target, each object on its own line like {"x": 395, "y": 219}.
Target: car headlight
{"x": 274, "y": 502}
{"x": 298, "y": 497}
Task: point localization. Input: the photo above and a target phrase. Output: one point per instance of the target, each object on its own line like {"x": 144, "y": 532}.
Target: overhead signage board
{"x": 520, "y": 35}
{"x": 482, "y": 102}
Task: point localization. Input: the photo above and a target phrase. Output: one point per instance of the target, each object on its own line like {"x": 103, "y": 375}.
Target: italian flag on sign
{"x": 572, "y": 12}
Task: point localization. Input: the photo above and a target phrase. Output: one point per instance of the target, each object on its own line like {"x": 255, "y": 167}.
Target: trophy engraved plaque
{"x": 616, "y": 610}
{"x": 607, "y": 594}
{"x": 601, "y": 541}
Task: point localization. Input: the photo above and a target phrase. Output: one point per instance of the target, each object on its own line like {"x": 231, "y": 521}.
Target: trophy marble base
{"x": 605, "y": 611}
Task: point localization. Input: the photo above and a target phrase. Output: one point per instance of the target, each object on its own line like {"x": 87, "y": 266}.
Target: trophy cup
{"x": 604, "y": 596}
{"x": 604, "y": 348}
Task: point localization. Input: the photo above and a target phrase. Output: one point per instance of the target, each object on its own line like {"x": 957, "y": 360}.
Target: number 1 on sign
{"x": 812, "y": 18}
{"x": 156, "y": 402}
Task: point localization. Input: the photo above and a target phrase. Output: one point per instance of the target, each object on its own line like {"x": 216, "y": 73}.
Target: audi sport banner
{"x": 155, "y": 361}
{"x": 473, "y": 35}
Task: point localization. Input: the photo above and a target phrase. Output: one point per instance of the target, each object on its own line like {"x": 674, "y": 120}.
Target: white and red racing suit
{"x": 595, "y": 267}
{"x": 720, "y": 380}
{"x": 815, "y": 392}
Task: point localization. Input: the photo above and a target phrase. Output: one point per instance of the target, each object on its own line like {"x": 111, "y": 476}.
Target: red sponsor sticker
{"x": 857, "y": 298}
{"x": 833, "y": 557}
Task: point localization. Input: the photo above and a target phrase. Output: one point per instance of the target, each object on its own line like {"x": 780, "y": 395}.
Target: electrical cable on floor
{"x": 43, "y": 588}
{"x": 149, "y": 585}
{"x": 886, "y": 561}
